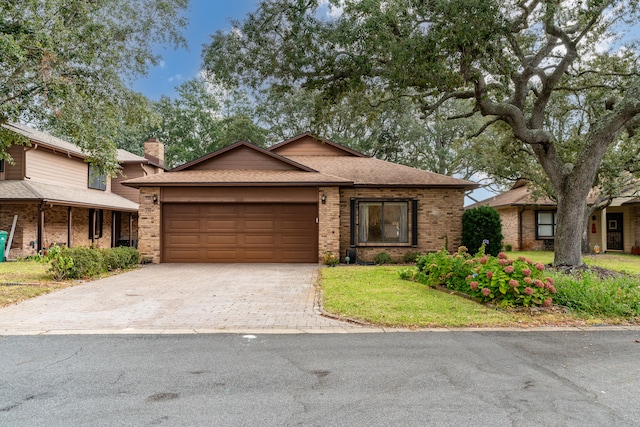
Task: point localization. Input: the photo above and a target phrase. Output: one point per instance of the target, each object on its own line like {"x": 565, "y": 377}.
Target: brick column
{"x": 149, "y": 224}
{"x": 329, "y": 221}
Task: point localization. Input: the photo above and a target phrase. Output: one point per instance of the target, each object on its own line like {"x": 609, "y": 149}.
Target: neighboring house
{"x": 59, "y": 199}
{"x": 530, "y": 224}
{"x": 294, "y": 202}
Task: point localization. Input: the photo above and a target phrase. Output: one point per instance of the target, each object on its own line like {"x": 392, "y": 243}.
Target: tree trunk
{"x": 568, "y": 242}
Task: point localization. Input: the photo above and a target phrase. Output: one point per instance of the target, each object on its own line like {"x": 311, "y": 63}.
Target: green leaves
{"x": 65, "y": 63}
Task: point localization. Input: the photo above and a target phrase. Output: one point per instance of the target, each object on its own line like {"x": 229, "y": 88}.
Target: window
{"x": 97, "y": 178}
{"x": 545, "y": 224}
{"x": 383, "y": 222}
{"x": 1, "y": 165}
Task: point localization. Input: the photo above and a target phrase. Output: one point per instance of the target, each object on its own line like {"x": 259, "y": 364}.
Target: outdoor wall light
{"x": 324, "y": 199}
{"x": 155, "y": 199}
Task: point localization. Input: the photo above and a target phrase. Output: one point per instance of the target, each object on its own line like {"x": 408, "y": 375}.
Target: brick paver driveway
{"x": 178, "y": 298}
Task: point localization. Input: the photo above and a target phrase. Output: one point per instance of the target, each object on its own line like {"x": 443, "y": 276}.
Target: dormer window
{"x": 97, "y": 178}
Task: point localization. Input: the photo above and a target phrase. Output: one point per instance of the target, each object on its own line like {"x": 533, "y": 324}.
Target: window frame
{"x": 411, "y": 222}
{"x": 553, "y": 224}
{"x": 96, "y": 222}
{"x": 96, "y": 179}
{"x": 1, "y": 165}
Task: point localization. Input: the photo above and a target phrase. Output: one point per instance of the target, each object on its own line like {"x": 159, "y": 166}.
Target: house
{"x": 57, "y": 198}
{"x": 292, "y": 203}
{"x": 529, "y": 223}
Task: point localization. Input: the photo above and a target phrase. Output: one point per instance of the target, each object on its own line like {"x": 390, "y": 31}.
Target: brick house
{"x": 292, "y": 203}
{"x": 530, "y": 224}
{"x": 56, "y": 198}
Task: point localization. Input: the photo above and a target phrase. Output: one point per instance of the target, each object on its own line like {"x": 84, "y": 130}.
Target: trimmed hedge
{"x": 85, "y": 263}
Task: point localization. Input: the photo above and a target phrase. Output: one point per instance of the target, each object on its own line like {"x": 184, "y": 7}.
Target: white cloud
{"x": 176, "y": 77}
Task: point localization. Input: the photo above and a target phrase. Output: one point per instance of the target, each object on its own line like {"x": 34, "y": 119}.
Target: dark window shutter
{"x": 414, "y": 222}
{"x": 352, "y": 227}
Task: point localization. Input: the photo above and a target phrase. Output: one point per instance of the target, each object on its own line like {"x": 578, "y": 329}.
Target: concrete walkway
{"x": 181, "y": 298}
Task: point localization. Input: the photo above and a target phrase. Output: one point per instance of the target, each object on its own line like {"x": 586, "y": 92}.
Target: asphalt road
{"x": 478, "y": 378}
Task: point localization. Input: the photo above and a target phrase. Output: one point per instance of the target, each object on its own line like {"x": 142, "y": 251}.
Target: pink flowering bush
{"x": 499, "y": 280}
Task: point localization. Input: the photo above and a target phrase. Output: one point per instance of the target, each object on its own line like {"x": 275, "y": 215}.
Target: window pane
{"x": 370, "y": 224}
{"x": 545, "y": 230}
{"x": 545, "y": 217}
{"x": 395, "y": 222}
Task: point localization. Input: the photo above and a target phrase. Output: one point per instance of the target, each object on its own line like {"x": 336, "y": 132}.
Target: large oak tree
{"x": 70, "y": 61}
{"x": 513, "y": 59}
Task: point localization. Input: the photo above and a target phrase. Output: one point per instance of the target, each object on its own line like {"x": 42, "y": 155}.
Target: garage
{"x": 240, "y": 232}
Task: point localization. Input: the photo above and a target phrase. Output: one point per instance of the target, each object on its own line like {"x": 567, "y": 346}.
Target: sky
{"x": 205, "y": 18}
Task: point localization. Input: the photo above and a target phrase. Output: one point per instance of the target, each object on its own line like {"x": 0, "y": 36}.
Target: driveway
{"x": 180, "y": 298}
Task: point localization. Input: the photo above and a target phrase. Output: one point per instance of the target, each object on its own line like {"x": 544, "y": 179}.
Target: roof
{"x": 518, "y": 196}
{"x": 368, "y": 171}
{"x": 57, "y": 144}
{"x": 352, "y": 169}
{"x": 237, "y": 177}
{"x": 25, "y": 190}
{"x": 125, "y": 156}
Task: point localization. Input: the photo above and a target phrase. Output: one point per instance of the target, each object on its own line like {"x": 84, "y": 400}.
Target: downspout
{"x": 69, "y": 227}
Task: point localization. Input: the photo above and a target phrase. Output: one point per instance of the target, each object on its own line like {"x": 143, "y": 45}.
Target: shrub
{"x": 82, "y": 263}
{"x": 410, "y": 257}
{"x": 480, "y": 226}
{"x": 330, "y": 259}
{"x": 498, "y": 280}
{"x": 121, "y": 257}
{"x": 442, "y": 269}
{"x": 383, "y": 258}
{"x": 87, "y": 263}
{"x": 508, "y": 247}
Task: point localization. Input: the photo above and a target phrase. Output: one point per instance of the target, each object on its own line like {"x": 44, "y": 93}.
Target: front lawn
{"x": 21, "y": 280}
{"x": 378, "y": 296}
{"x": 625, "y": 263}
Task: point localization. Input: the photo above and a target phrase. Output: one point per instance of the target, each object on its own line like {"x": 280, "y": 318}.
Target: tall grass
{"x": 589, "y": 294}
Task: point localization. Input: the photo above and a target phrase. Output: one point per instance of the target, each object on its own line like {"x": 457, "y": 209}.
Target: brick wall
{"x": 149, "y": 224}
{"x": 510, "y": 221}
{"x": 328, "y": 221}
{"x": 25, "y": 239}
{"x": 439, "y": 220}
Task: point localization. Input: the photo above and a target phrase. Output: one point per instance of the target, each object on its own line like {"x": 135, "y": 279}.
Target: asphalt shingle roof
{"x": 31, "y": 190}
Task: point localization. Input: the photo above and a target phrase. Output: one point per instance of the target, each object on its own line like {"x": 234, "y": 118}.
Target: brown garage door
{"x": 229, "y": 232}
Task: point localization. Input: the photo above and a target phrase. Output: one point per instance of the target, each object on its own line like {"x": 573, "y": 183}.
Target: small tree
{"x": 481, "y": 225}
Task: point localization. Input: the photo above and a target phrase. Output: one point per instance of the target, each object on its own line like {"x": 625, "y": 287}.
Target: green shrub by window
{"x": 480, "y": 226}
{"x": 410, "y": 257}
{"x": 383, "y": 258}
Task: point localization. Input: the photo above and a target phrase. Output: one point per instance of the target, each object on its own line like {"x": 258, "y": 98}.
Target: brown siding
{"x": 240, "y": 194}
{"x": 55, "y": 168}
{"x": 439, "y": 220}
{"x": 15, "y": 171}
{"x": 309, "y": 147}
{"x": 129, "y": 171}
{"x": 242, "y": 158}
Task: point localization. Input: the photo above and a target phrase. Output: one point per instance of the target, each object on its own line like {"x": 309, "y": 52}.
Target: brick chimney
{"x": 154, "y": 151}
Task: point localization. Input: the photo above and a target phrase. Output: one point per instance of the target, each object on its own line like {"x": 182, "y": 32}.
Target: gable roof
{"x": 518, "y": 195}
{"x": 324, "y": 147}
{"x": 314, "y": 170}
{"x": 269, "y": 160}
{"x": 60, "y": 145}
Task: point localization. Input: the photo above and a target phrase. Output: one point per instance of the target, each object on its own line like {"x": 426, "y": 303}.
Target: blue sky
{"x": 205, "y": 18}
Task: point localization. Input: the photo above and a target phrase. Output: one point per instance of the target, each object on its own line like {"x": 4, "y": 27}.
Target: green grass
{"x": 21, "y": 280}
{"x": 378, "y": 296}
{"x": 625, "y": 263}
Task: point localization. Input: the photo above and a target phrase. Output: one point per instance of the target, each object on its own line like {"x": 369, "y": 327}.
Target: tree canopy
{"x": 68, "y": 62}
{"x": 522, "y": 63}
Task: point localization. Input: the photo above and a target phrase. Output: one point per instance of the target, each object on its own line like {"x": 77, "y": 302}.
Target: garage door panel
{"x": 239, "y": 233}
